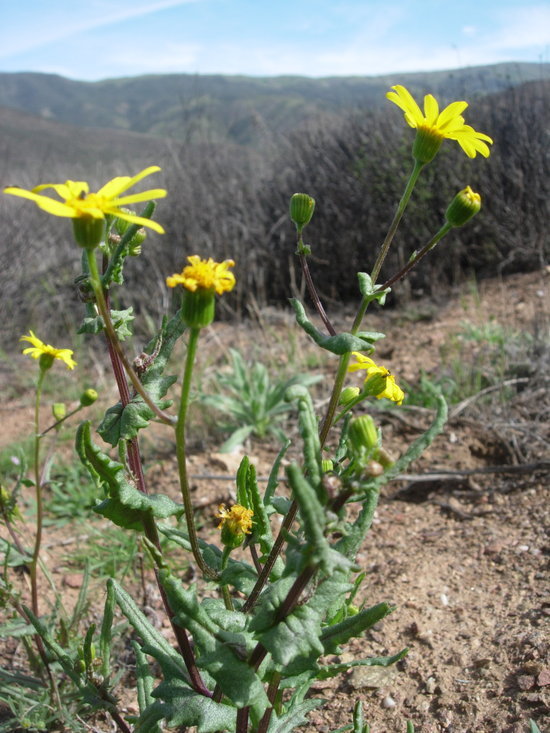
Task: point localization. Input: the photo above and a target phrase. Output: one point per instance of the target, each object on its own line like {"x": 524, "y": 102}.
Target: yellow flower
{"x": 378, "y": 382}
{"x": 39, "y": 349}
{"x": 78, "y": 203}
{"x": 434, "y": 126}
{"x": 204, "y": 275}
{"x": 236, "y": 522}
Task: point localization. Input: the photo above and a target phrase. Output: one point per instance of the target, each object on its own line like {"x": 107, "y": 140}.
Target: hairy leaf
{"x": 125, "y": 505}
{"x": 340, "y": 344}
{"x": 182, "y": 707}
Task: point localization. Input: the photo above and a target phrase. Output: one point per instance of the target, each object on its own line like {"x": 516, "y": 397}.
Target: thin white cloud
{"x": 61, "y": 25}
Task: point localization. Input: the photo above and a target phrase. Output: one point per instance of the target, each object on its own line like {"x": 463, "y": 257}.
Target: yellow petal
{"x": 431, "y": 110}
{"x": 133, "y": 219}
{"x": 115, "y": 187}
{"x": 134, "y": 198}
{"x": 451, "y": 112}
{"x": 44, "y": 202}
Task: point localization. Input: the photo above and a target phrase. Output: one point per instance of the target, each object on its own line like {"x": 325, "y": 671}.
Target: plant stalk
{"x": 181, "y": 453}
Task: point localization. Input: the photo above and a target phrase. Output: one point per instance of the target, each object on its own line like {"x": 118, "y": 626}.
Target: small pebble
{"x": 388, "y": 702}
{"x": 430, "y": 685}
{"x": 444, "y": 599}
{"x": 522, "y": 548}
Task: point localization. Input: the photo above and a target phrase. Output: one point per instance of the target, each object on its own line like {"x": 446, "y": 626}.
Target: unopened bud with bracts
{"x": 363, "y": 439}
{"x": 464, "y": 205}
{"x": 301, "y": 209}
{"x": 88, "y": 397}
{"x": 59, "y": 410}
{"x": 348, "y": 394}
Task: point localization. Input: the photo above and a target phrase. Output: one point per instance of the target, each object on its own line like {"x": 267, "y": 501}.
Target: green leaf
{"x": 353, "y": 626}
{"x": 125, "y": 505}
{"x": 124, "y": 422}
{"x": 340, "y": 344}
{"x": 369, "y": 291}
{"x": 533, "y": 727}
{"x": 317, "y": 550}
{"x": 121, "y": 323}
{"x": 332, "y": 670}
{"x": 172, "y": 663}
{"x": 295, "y": 716}
{"x": 309, "y": 431}
{"x": 145, "y": 679}
{"x": 248, "y": 495}
{"x": 297, "y": 635}
{"x": 105, "y": 635}
{"x": 183, "y": 707}
{"x": 222, "y": 653}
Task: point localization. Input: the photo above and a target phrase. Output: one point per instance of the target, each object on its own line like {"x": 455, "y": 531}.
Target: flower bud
{"x": 363, "y": 441}
{"x": 464, "y": 205}
{"x": 348, "y": 394}
{"x": 301, "y": 209}
{"x": 363, "y": 435}
{"x": 88, "y": 397}
{"x": 326, "y": 465}
{"x": 59, "y": 410}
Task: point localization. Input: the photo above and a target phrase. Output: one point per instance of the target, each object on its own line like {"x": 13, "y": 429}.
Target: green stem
{"x": 181, "y": 452}
{"x": 33, "y": 566}
{"x": 224, "y": 588}
{"x": 95, "y": 280}
{"x": 417, "y": 257}
{"x": 396, "y": 219}
{"x": 344, "y": 359}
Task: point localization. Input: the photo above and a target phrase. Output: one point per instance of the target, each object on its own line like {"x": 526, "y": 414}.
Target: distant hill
{"x": 235, "y": 108}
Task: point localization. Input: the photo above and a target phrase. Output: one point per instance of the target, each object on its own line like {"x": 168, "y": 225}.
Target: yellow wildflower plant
{"x": 204, "y": 275}
{"x": 236, "y": 522}
{"x": 79, "y": 204}
{"x": 434, "y": 126}
{"x": 379, "y": 382}
{"x": 39, "y": 349}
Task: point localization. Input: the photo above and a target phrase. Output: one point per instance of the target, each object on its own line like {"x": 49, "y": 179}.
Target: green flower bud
{"x": 88, "y": 231}
{"x": 134, "y": 247}
{"x": 326, "y": 465}
{"x": 348, "y": 394}
{"x": 59, "y": 410}
{"x": 363, "y": 439}
{"x": 88, "y": 397}
{"x": 464, "y": 205}
{"x": 301, "y": 209}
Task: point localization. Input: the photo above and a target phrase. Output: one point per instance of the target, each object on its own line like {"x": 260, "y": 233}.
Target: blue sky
{"x": 98, "y": 39}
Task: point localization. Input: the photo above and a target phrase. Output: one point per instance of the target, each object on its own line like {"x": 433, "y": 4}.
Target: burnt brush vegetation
{"x": 231, "y": 165}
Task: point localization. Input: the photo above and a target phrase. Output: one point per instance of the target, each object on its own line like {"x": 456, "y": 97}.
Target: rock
{"x": 362, "y": 677}
{"x": 73, "y": 580}
{"x": 388, "y": 702}
{"x": 431, "y": 685}
{"x": 544, "y": 677}
{"x": 525, "y": 682}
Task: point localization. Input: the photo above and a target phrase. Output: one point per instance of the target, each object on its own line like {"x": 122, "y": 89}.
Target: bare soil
{"x": 459, "y": 544}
